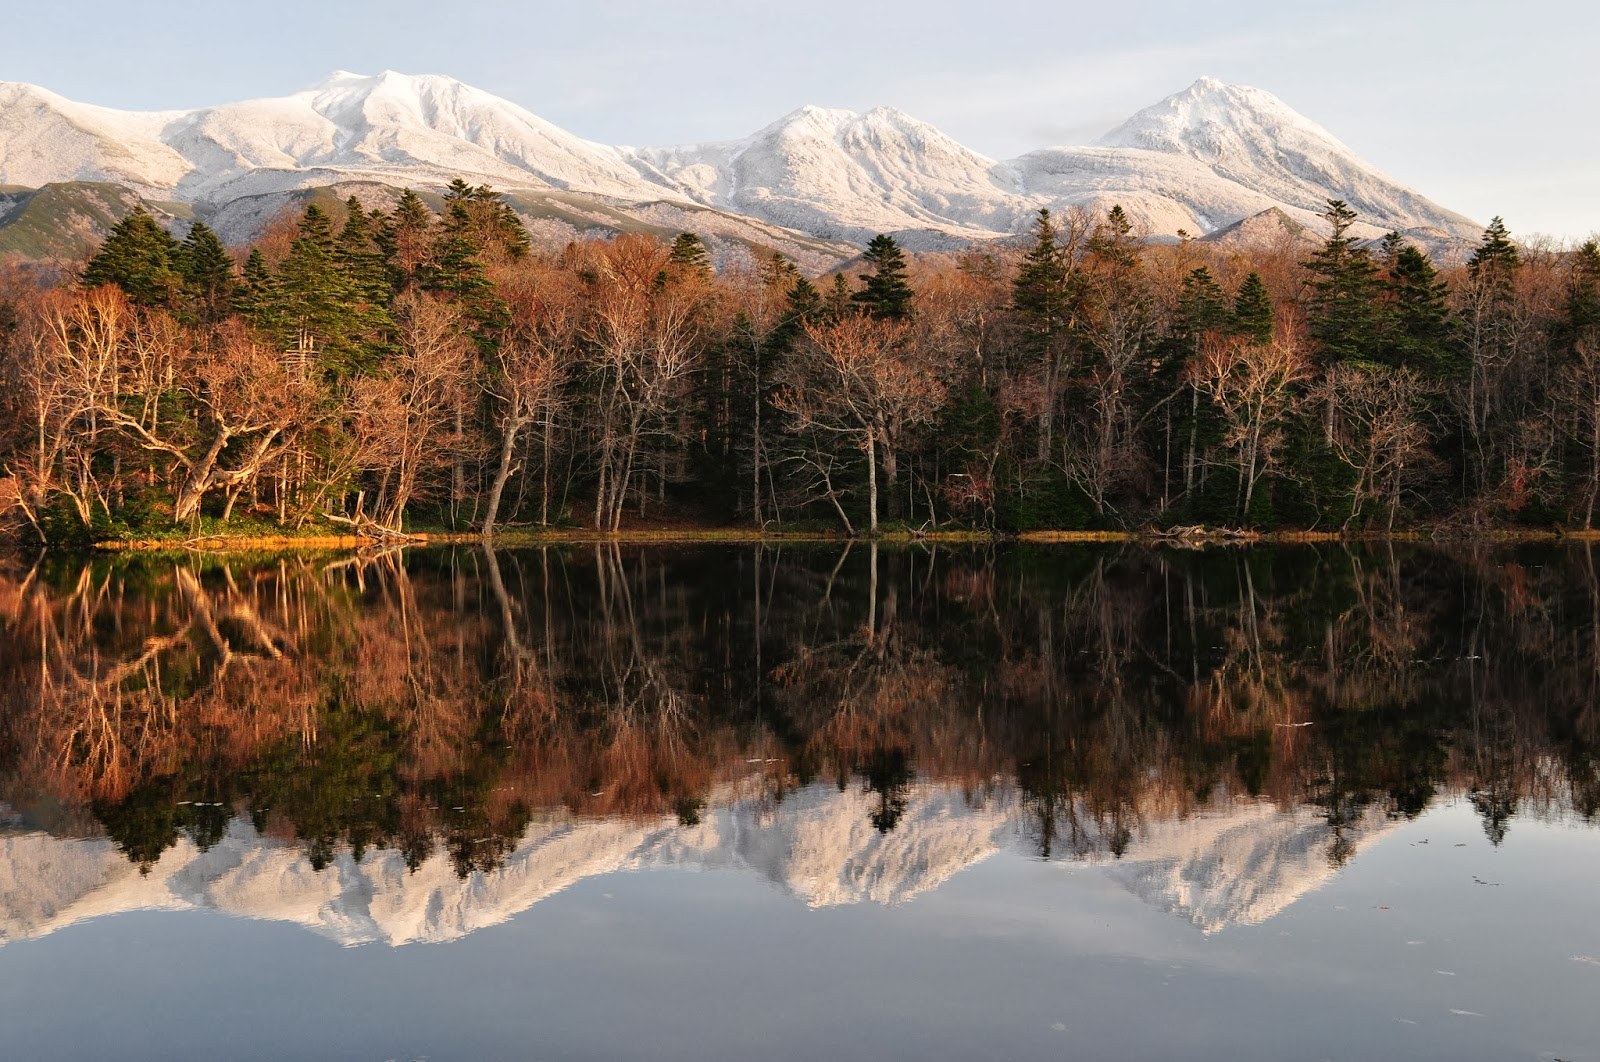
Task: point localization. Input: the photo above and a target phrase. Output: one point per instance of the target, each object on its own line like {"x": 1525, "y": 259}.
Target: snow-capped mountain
{"x": 838, "y": 173}
{"x": 1238, "y": 863}
{"x": 1255, "y": 140}
{"x": 1200, "y": 160}
{"x": 419, "y": 129}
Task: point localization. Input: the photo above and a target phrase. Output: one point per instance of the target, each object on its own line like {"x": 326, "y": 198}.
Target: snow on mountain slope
{"x": 46, "y": 139}
{"x": 838, "y": 173}
{"x": 1253, "y": 138}
{"x": 1201, "y": 160}
{"x": 427, "y": 128}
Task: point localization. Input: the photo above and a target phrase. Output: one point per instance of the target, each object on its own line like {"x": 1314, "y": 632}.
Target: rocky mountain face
{"x": 819, "y": 181}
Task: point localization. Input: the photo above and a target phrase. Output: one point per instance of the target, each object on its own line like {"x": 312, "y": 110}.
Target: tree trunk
{"x": 502, "y": 472}
{"x": 755, "y": 449}
{"x": 544, "y": 475}
{"x": 872, "y": 485}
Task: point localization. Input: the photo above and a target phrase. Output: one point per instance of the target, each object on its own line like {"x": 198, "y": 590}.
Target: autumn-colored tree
{"x": 529, "y": 368}
{"x": 405, "y": 416}
{"x": 642, "y": 345}
{"x": 859, "y": 381}
{"x": 1381, "y": 432}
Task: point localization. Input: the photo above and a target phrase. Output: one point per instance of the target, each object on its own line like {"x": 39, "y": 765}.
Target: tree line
{"x": 389, "y": 370}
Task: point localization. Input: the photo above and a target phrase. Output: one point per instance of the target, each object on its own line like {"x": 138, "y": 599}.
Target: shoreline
{"x": 1185, "y": 538}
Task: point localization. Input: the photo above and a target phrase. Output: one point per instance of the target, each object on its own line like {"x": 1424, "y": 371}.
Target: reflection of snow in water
{"x": 1240, "y": 865}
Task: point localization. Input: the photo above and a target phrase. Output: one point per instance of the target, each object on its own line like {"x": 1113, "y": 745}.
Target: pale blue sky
{"x": 1484, "y": 105}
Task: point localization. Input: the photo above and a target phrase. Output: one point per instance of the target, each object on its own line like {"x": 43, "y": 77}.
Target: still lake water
{"x": 804, "y": 802}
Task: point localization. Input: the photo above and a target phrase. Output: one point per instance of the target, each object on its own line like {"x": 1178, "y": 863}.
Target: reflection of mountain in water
{"x": 1095, "y": 703}
{"x": 1236, "y": 866}
{"x": 1241, "y": 866}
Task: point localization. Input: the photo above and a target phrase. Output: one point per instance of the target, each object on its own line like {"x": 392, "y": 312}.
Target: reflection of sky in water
{"x": 1401, "y": 954}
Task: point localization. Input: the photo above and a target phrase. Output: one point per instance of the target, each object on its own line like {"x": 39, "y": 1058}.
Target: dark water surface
{"x": 730, "y": 802}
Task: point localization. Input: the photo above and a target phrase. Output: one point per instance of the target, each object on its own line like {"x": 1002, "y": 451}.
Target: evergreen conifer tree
{"x": 406, "y": 240}
{"x": 1113, "y": 244}
{"x": 689, "y": 255}
{"x": 1580, "y": 317}
{"x": 140, "y": 257}
{"x": 208, "y": 278}
{"x": 839, "y": 299}
{"x": 1043, "y": 292}
{"x": 778, "y": 271}
{"x": 1422, "y": 331}
{"x": 1495, "y": 253}
{"x": 1344, "y": 312}
{"x": 1492, "y": 272}
{"x": 1253, "y": 314}
{"x": 459, "y": 267}
{"x": 359, "y": 254}
{"x": 1202, "y": 305}
{"x": 804, "y": 305}
{"x": 254, "y": 299}
{"x": 486, "y": 216}
{"x": 885, "y": 291}
{"x": 313, "y": 303}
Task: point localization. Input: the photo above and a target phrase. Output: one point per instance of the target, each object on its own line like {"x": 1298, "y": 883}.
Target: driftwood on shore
{"x": 367, "y": 528}
{"x": 1196, "y": 534}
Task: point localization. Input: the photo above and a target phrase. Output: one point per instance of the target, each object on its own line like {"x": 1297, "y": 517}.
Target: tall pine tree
{"x": 1580, "y": 311}
{"x": 885, "y": 291}
{"x": 1044, "y": 295}
{"x": 689, "y": 255}
{"x": 1421, "y": 332}
{"x": 1253, "y": 314}
{"x": 313, "y": 304}
{"x": 1202, "y": 306}
{"x": 209, "y": 284}
{"x": 1344, "y": 312}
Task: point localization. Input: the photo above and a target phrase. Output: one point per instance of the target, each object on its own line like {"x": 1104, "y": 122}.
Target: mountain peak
{"x": 813, "y": 116}
{"x": 1211, "y": 118}
{"x": 385, "y": 82}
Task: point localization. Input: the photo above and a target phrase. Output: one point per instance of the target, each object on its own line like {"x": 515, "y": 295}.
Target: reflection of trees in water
{"x": 410, "y": 701}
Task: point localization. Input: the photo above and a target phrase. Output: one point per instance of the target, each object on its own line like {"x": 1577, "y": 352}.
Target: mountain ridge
{"x": 1200, "y": 160}
{"x": 1241, "y": 862}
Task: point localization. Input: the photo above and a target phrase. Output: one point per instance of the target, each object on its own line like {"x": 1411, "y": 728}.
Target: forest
{"x": 382, "y": 372}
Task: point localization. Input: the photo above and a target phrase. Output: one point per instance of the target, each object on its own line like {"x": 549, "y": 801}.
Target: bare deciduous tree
{"x": 860, "y": 379}
{"x": 530, "y": 366}
{"x": 1378, "y": 430}
{"x": 1253, "y": 386}
{"x": 643, "y": 333}
{"x": 405, "y": 416}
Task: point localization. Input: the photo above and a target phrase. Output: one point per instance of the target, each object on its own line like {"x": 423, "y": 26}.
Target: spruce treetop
{"x": 885, "y": 291}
